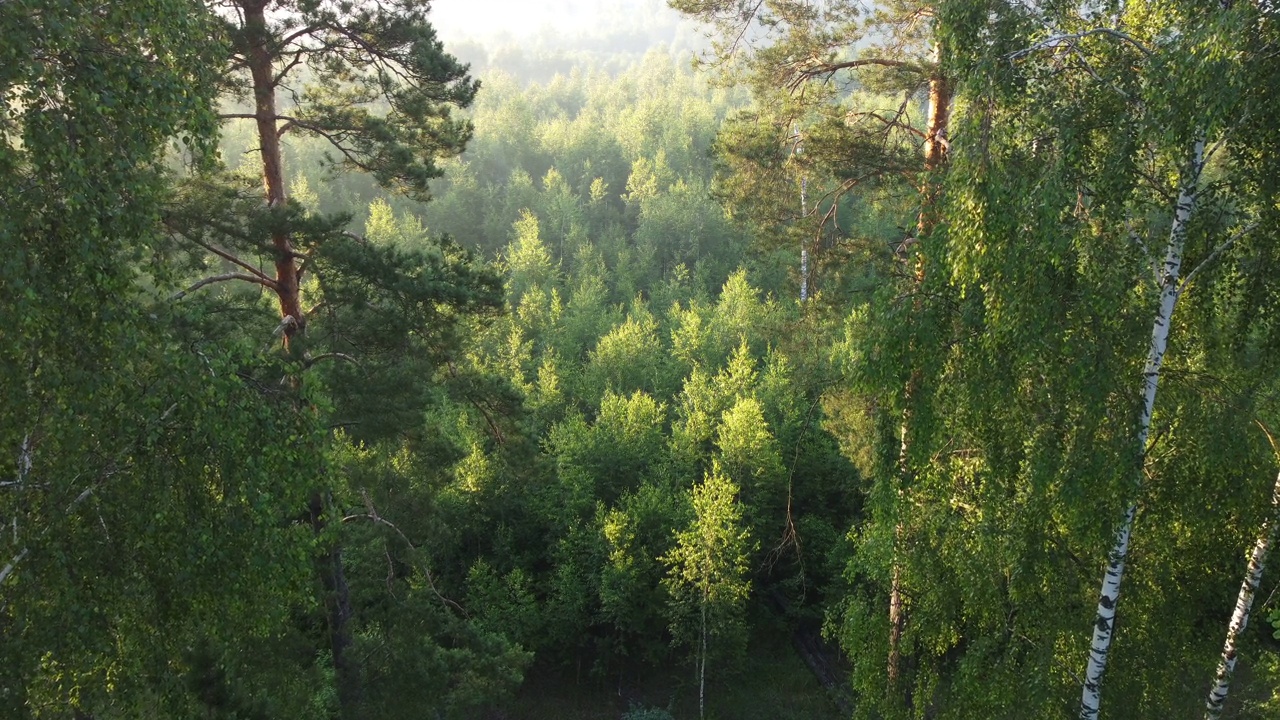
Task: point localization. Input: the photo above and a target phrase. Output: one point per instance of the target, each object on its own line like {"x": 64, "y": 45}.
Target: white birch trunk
{"x": 1104, "y": 622}
{"x": 804, "y": 212}
{"x": 804, "y": 273}
{"x": 24, "y": 470}
{"x": 1244, "y": 603}
{"x": 804, "y": 250}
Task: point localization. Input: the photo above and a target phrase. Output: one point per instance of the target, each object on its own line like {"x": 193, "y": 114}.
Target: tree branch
{"x": 232, "y": 259}
{"x": 890, "y": 124}
{"x": 1214, "y": 256}
{"x": 8, "y": 569}
{"x": 1069, "y": 39}
{"x": 333, "y": 356}
{"x": 327, "y": 135}
{"x": 372, "y": 515}
{"x": 830, "y": 69}
{"x": 270, "y": 284}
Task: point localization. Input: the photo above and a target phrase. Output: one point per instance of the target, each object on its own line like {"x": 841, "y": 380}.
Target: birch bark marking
{"x": 24, "y": 470}
{"x": 1244, "y": 603}
{"x": 1104, "y": 622}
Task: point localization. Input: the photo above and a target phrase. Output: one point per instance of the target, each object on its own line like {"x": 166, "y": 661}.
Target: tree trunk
{"x": 1244, "y": 603}
{"x": 261, "y": 68}
{"x": 702, "y": 666}
{"x": 337, "y": 603}
{"x": 804, "y": 249}
{"x": 1104, "y": 622}
{"x": 935, "y": 159}
{"x": 941, "y": 93}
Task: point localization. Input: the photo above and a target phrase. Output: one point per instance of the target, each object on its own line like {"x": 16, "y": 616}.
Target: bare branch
{"x": 1069, "y": 40}
{"x": 223, "y": 278}
{"x": 830, "y": 69}
{"x": 748, "y": 18}
{"x": 289, "y": 39}
{"x": 327, "y": 135}
{"x": 232, "y": 259}
{"x": 890, "y": 123}
{"x": 333, "y": 356}
{"x": 8, "y": 569}
{"x": 297, "y": 59}
{"x": 372, "y": 515}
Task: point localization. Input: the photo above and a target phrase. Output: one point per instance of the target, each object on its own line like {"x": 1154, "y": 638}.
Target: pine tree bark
{"x": 1109, "y": 597}
{"x": 261, "y": 68}
{"x": 1244, "y": 604}
{"x": 337, "y": 595}
{"x": 935, "y": 159}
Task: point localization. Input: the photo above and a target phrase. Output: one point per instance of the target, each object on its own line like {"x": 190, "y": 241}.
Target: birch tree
{"x": 1240, "y": 616}
{"x": 706, "y": 575}
{"x": 1043, "y": 88}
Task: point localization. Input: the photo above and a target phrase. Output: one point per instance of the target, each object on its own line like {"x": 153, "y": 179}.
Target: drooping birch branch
{"x": 1070, "y": 39}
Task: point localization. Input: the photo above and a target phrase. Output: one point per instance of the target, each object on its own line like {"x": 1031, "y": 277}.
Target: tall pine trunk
{"x": 935, "y": 158}
{"x": 261, "y": 63}
{"x": 1109, "y": 597}
{"x": 262, "y": 69}
{"x": 1244, "y": 603}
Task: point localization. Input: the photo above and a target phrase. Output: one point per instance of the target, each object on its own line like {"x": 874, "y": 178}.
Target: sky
{"x": 480, "y": 19}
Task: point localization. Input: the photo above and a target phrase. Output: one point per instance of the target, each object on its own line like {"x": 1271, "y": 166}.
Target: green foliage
{"x": 154, "y": 473}
{"x": 707, "y": 573}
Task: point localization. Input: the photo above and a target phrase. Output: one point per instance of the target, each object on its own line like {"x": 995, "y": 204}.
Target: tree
{"x": 380, "y": 92}
{"x": 143, "y": 490}
{"x": 368, "y": 321}
{"x": 1082, "y": 206}
{"x": 707, "y": 573}
{"x": 1240, "y": 617}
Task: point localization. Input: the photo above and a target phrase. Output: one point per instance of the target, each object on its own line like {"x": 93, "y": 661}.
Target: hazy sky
{"x": 458, "y": 19}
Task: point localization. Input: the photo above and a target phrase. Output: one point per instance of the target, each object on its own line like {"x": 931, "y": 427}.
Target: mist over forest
{"x": 535, "y": 41}
{"x": 631, "y": 359}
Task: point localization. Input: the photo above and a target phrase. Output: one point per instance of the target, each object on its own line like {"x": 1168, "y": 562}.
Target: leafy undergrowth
{"x": 772, "y": 684}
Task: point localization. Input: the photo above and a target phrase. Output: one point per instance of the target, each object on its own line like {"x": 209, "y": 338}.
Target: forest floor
{"x": 772, "y": 684}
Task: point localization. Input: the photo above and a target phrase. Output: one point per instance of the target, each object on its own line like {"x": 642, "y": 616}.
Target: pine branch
{"x": 333, "y": 356}
{"x": 233, "y": 259}
{"x": 829, "y": 69}
{"x": 270, "y": 284}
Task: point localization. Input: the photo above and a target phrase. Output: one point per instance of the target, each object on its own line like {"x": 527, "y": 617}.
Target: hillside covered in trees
{"x": 780, "y": 359}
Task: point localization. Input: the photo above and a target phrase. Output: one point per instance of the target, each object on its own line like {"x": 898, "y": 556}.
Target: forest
{"x": 729, "y": 360}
